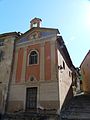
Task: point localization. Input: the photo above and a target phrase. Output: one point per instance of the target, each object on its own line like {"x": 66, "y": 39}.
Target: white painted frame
{"x": 37, "y": 58}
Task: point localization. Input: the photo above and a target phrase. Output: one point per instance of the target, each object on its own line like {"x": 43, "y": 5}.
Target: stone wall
{"x": 5, "y": 68}
{"x": 47, "y": 95}
{"x": 65, "y": 80}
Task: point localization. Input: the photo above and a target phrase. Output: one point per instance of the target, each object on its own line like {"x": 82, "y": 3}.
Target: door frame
{"x": 26, "y": 98}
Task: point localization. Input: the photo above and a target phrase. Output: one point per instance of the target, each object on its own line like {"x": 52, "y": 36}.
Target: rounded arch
{"x": 32, "y": 78}
{"x": 33, "y": 57}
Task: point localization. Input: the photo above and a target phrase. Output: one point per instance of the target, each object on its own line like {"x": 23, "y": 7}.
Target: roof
{"x": 35, "y": 19}
{"x": 38, "y": 28}
{"x": 9, "y": 34}
{"x": 65, "y": 53}
{"x": 43, "y": 28}
{"x": 84, "y": 58}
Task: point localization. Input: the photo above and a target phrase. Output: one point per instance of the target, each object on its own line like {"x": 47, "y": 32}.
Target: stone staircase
{"x": 77, "y": 109}
{"x": 30, "y": 115}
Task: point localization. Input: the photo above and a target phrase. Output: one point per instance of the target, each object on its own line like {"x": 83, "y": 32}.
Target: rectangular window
{"x": 63, "y": 65}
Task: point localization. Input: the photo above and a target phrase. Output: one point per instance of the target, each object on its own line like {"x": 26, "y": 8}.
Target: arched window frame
{"x": 37, "y": 57}
{"x": 32, "y": 78}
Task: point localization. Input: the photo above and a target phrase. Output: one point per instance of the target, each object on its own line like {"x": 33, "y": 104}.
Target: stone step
{"x": 76, "y": 116}
{"x": 77, "y": 109}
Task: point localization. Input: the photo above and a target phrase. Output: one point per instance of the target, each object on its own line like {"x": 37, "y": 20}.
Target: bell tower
{"x": 35, "y": 22}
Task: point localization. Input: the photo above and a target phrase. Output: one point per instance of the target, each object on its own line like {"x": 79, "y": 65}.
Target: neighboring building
{"x": 85, "y": 72}
{"x": 6, "y": 58}
{"x": 77, "y": 82}
{"x": 42, "y": 71}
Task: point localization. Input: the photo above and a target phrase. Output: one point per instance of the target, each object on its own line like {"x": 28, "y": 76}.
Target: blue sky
{"x": 71, "y": 17}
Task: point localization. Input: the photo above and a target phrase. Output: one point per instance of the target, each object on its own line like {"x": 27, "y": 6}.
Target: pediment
{"x": 36, "y": 33}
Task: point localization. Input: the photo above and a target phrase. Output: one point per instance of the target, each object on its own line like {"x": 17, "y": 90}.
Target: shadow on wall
{"x": 68, "y": 97}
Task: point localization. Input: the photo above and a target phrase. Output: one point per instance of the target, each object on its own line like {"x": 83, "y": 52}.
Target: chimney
{"x": 35, "y": 22}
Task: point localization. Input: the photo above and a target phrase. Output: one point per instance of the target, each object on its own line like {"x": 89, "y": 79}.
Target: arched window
{"x": 33, "y": 57}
